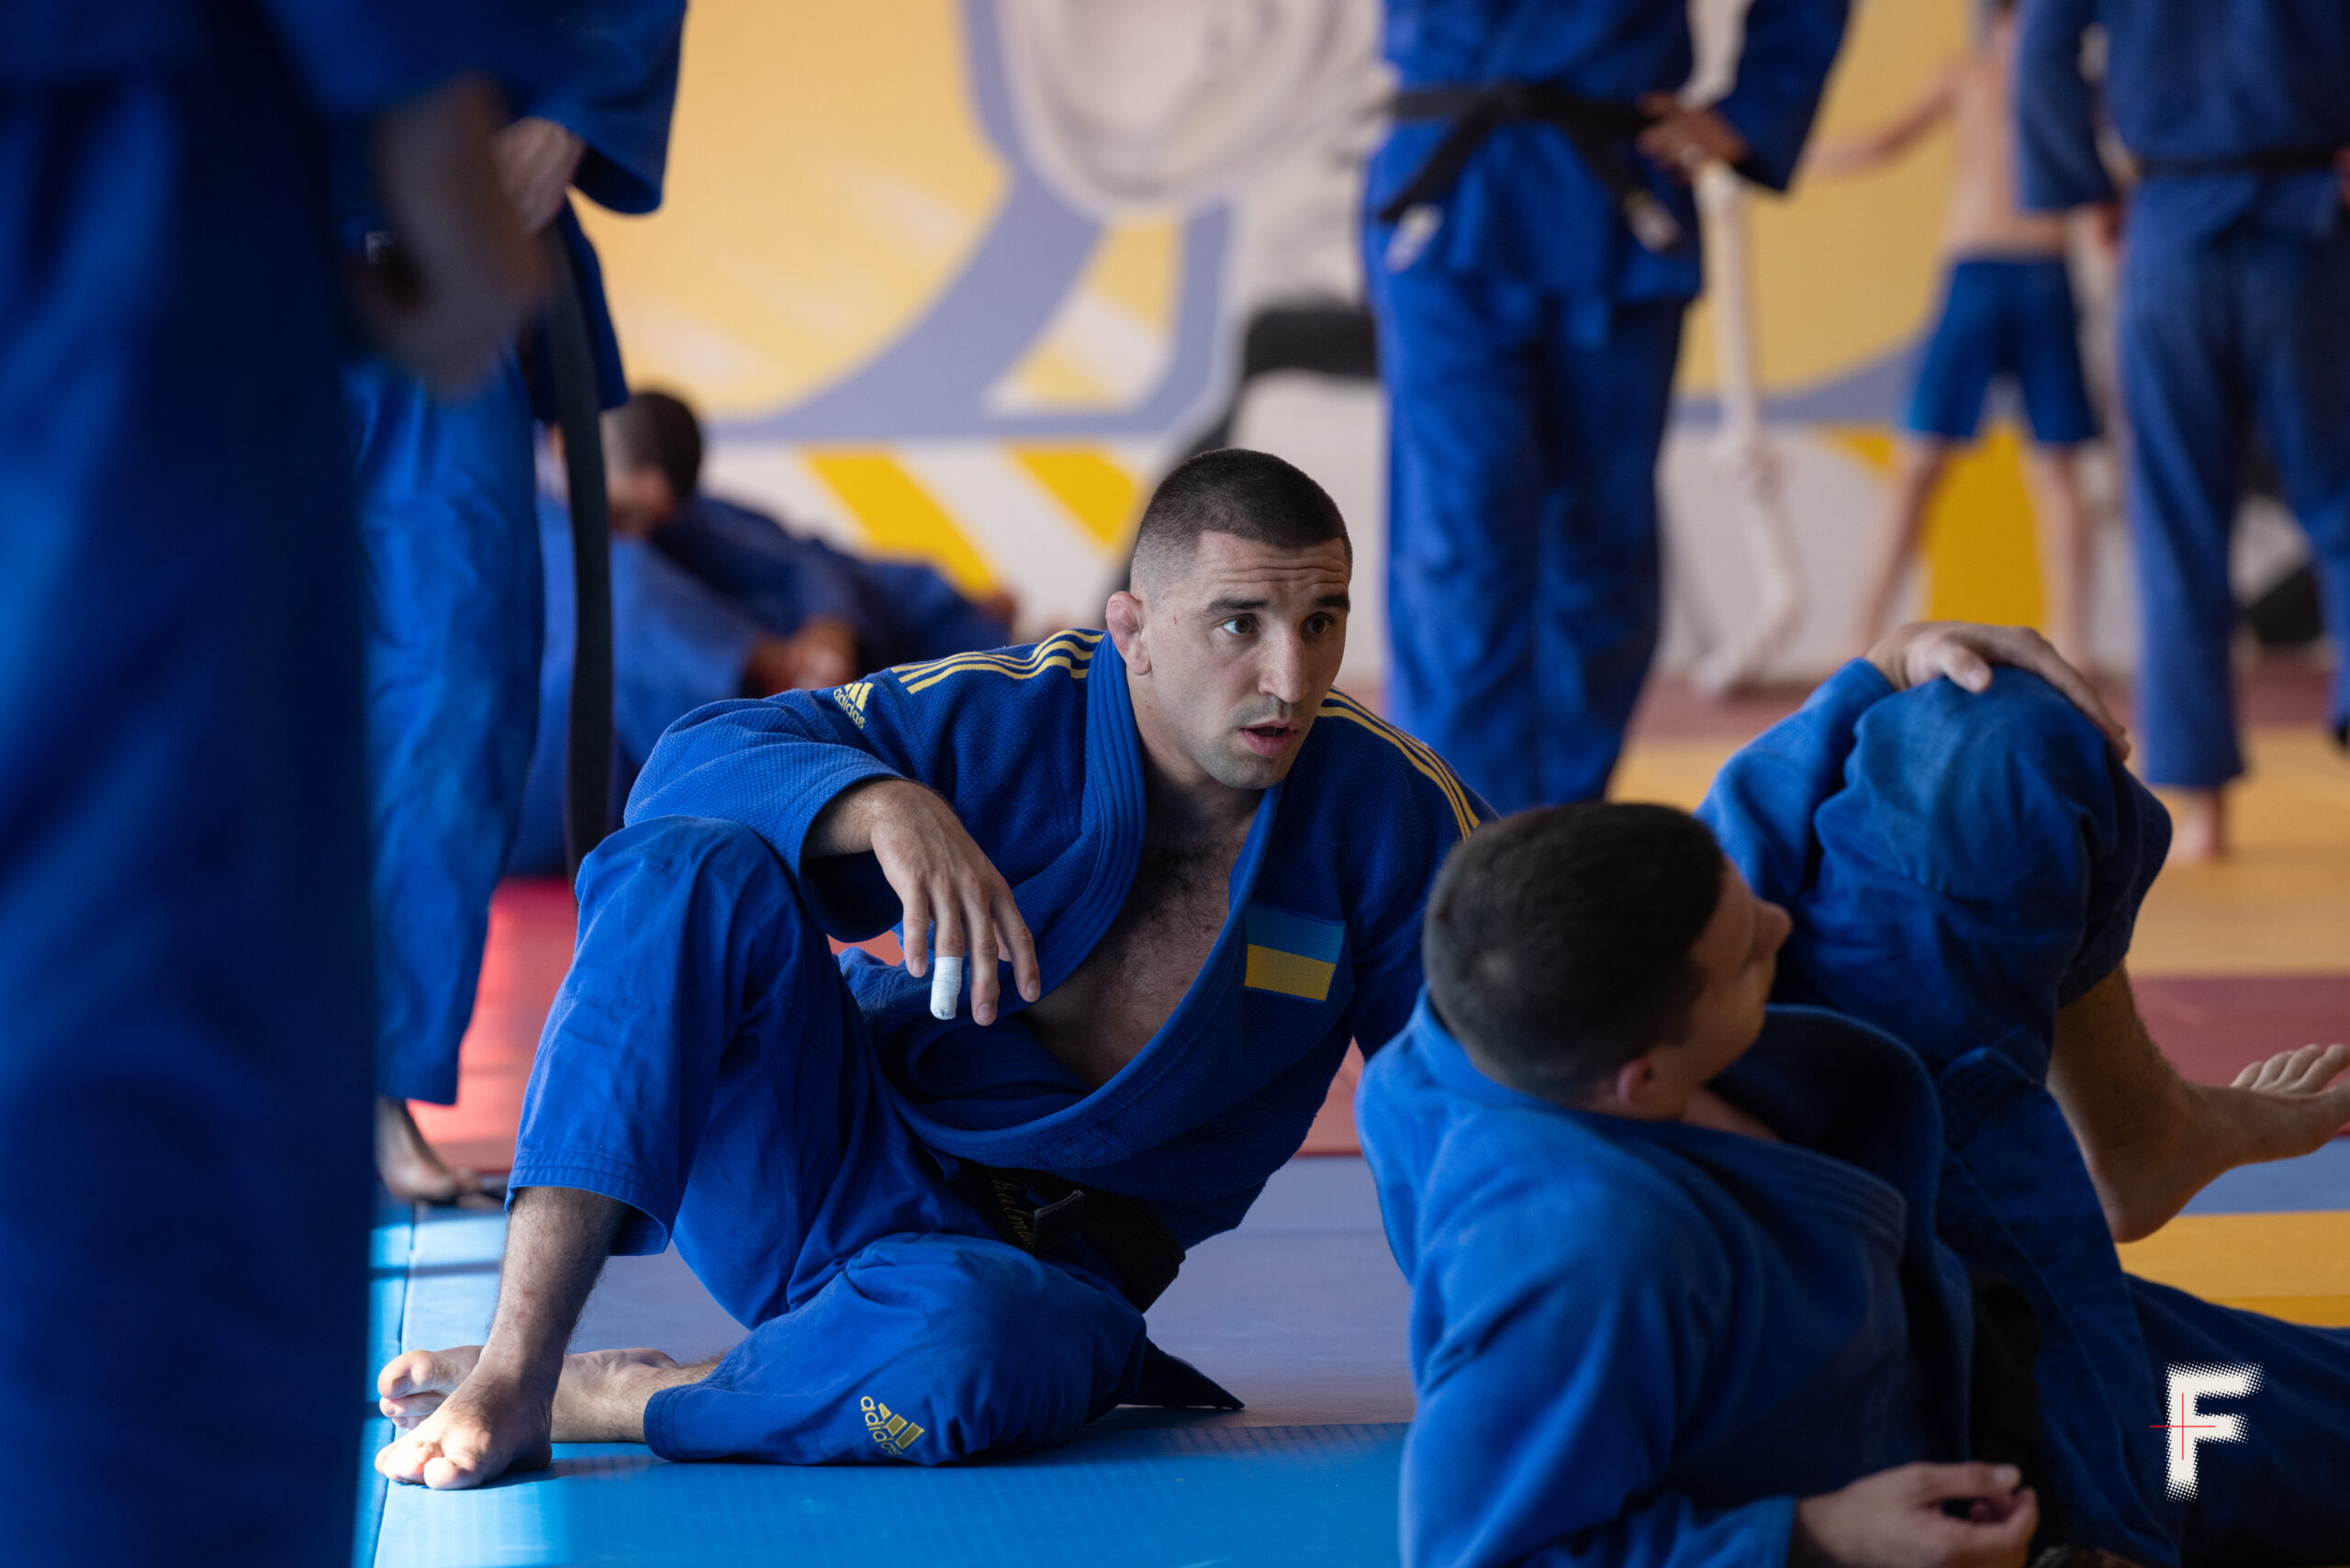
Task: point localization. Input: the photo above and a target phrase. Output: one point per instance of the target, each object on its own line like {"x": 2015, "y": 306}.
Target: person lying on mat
{"x": 1700, "y": 1280}
{"x": 1149, "y": 884}
{"x": 864, "y": 613}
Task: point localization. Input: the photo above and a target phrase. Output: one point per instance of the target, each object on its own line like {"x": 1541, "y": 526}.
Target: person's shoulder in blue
{"x": 843, "y": 614}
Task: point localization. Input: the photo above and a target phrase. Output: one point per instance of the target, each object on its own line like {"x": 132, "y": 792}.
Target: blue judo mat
{"x": 1301, "y": 1312}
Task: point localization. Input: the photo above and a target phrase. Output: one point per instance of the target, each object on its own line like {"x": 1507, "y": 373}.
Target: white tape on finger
{"x": 945, "y": 981}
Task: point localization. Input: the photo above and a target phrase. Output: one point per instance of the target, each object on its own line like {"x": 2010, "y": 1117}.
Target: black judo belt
{"x": 1040, "y": 1214}
{"x": 2275, "y": 161}
{"x": 570, "y": 363}
{"x": 1595, "y": 127}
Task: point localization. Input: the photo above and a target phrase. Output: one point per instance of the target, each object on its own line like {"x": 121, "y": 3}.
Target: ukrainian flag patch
{"x": 1296, "y": 954}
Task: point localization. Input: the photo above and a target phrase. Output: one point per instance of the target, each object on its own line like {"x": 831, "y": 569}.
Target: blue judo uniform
{"x": 677, "y": 645}
{"x": 1958, "y": 868}
{"x": 1527, "y": 347}
{"x": 793, "y": 1121}
{"x": 2234, "y": 315}
{"x": 447, "y": 495}
{"x": 902, "y": 612}
{"x": 183, "y": 1071}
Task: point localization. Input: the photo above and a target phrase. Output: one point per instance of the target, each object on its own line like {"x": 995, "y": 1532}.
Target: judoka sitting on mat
{"x": 1691, "y": 1277}
{"x": 1222, "y": 863}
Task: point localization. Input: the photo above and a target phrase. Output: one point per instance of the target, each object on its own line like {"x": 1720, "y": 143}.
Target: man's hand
{"x": 536, "y": 159}
{"x": 463, "y": 277}
{"x": 1686, "y": 139}
{"x": 822, "y": 653}
{"x": 1919, "y": 652}
{"x": 955, "y": 899}
{"x": 1895, "y": 1520}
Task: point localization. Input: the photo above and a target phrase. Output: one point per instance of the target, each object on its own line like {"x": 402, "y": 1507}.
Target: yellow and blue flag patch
{"x": 1296, "y": 954}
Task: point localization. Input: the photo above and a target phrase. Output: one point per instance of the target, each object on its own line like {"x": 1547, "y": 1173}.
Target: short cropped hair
{"x": 1252, "y": 495}
{"x": 1558, "y": 943}
{"x": 658, "y": 430}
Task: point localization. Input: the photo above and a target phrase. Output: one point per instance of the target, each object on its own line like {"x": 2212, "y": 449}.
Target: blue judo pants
{"x": 2244, "y": 334}
{"x": 448, "y": 516}
{"x": 1996, "y": 845}
{"x": 184, "y": 999}
{"x": 1523, "y": 568}
{"x": 705, "y": 1065}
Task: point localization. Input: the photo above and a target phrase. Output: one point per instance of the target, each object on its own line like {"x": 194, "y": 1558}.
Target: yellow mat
{"x": 2293, "y": 1266}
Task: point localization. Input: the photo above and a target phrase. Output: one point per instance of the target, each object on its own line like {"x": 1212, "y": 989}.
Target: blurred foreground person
{"x": 448, "y": 522}
{"x": 2234, "y": 322}
{"x": 2006, "y": 311}
{"x": 183, "y": 952}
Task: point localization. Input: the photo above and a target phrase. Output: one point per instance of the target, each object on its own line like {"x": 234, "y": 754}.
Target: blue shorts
{"x": 2005, "y": 318}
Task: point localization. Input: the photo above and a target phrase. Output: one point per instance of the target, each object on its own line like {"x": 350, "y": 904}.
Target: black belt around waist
{"x": 1595, "y": 126}
{"x": 1040, "y": 1214}
{"x": 2275, "y": 161}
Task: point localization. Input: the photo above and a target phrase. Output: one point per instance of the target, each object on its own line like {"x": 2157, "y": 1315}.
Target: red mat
{"x": 2212, "y": 1028}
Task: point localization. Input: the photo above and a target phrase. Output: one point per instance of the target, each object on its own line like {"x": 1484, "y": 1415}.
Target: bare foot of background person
{"x": 414, "y": 1172}
{"x": 2199, "y": 826}
{"x": 600, "y": 1397}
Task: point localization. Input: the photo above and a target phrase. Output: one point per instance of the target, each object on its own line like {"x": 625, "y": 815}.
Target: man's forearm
{"x": 845, "y": 827}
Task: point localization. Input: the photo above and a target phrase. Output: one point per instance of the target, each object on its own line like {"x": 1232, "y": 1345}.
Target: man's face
{"x": 1233, "y": 652}
{"x": 1737, "y": 954}
{"x": 638, "y": 494}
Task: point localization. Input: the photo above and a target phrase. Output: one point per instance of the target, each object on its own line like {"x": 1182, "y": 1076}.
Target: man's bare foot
{"x": 2199, "y": 826}
{"x": 2278, "y": 1109}
{"x": 600, "y": 1397}
{"x": 413, "y": 1171}
{"x": 462, "y": 1426}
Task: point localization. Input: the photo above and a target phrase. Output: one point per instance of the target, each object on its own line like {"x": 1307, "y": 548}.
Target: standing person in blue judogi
{"x": 1700, "y": 1282}
{"x": 448, "y": 518}
{"x": 942, "y": 1207}
{"x": 2234, "y": 325}
{"x": 185, "y": 1062}
{"x": 1532, "y": 249}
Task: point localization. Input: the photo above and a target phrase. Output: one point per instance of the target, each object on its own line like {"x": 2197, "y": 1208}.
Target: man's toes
{"x": 409, "y": 1412}
{"x": 403, "y": 1459}
{"x": 443, "y": 1474}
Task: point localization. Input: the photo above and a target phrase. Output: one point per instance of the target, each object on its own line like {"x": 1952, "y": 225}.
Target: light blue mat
{"x": 1301, "y": 1312}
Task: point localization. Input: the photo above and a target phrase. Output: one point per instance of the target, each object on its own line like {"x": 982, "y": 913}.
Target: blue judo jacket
{"x": 1526, "y": 207}
{"x": 1037, "y": 750}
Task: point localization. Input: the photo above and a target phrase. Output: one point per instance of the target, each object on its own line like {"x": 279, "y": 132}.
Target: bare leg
{"x": 413, "y": 1171}
{"x": 499, "y": 1415}
{"x": 2055, "y": 477}
{"x": 1918, "y": 463}
{"x": 599, "y": 1398}
{"x": 2199, "y": 820}
{"x": 2151, "y": 1139}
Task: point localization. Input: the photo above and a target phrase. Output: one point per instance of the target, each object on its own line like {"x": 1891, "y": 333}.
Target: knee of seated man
{"x": 1983, "y": 796}
{"x": 699, "y": 850}
{"x": 1012, "y": 1354}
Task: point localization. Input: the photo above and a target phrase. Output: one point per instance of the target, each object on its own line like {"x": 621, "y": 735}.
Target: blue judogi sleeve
{"x": 783, "y": 579}
{"x": 1762, "y": 802}
{"x": 1782, "y": 70}
{"x": 613, "y": 84}
{"x": 2058, "y": 164}
{"x": 1556, "y": 1410}
{"x": 676, "y": 646}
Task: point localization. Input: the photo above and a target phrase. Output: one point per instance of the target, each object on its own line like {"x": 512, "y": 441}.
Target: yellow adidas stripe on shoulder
{"x": 1071, "y": 651}
{"x": 1338, "y": 705}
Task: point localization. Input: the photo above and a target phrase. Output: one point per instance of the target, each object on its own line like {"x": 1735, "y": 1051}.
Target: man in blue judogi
{"x": 1529, "y": 265}
{"x": 2234, "y": 319}
{"x": 840, "y": 609}
{"x": 1685, "y": 1295}
{"x": 942, "y": 1209}
{"x": 183, "y": 1068}
{"x": 447, "y": 507}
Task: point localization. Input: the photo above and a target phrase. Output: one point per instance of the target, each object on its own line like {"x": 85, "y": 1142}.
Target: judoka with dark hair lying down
{"x": 1699, "y": 1279}
{"x": 1183, "y": 872}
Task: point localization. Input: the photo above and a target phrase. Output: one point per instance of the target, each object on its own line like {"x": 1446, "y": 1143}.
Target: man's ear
{"x": 1639, "y": 1085}
{"x": 1126, "y": 614}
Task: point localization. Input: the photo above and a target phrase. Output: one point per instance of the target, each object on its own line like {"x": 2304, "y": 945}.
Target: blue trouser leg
{"x": 1522, "y": 568}
{"x": 2276, "y": 1498}
{"x": 705, "y": 1064}
{"x": 1981, "y": 866}
{"x": 449, "y": 521}
{"x": 2246, "y": 335}
{"x": 184, "y": 999}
